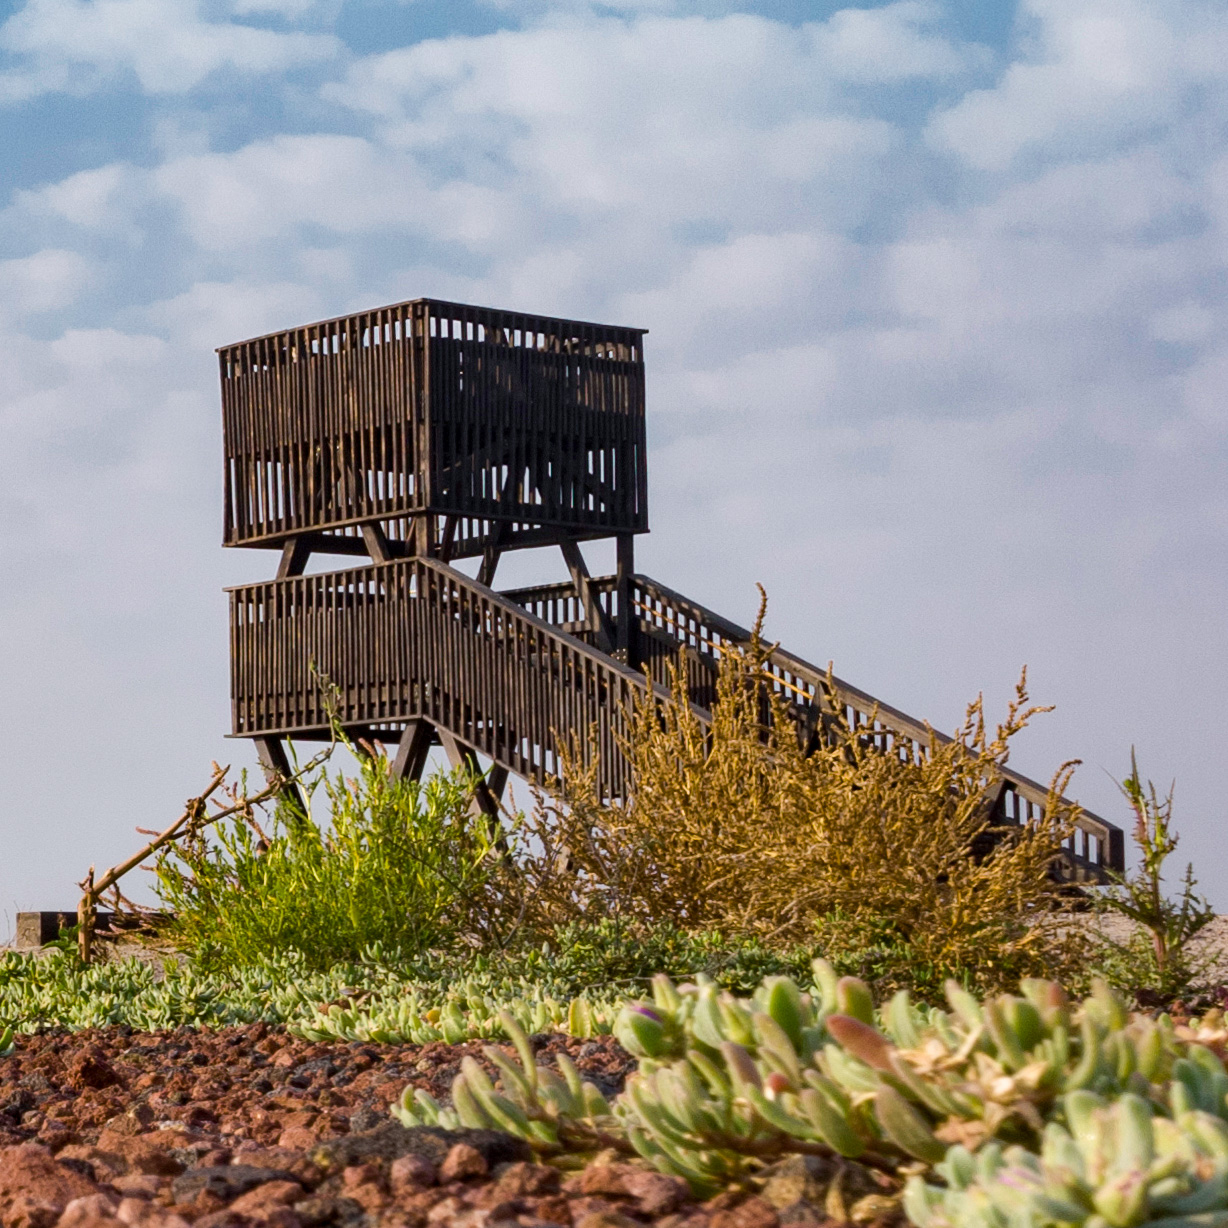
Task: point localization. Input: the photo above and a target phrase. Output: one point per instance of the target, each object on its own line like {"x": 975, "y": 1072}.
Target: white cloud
{"x": 1102, "y": 71}
{"x": 957, "y": 398}
{"x": 45, "y": 281}
{"x": 877, "y": 45}
{"x": 606, "y": 115}
{"x": 104, "y": 198}
{"x": 1184, "y": 323}
{"x": 170, "y": 46}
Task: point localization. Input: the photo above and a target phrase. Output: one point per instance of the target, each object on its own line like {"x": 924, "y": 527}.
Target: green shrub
{"x": 618, "y": 954}
{"x": 1157, "y": 962}
{"x": 405, "y": 864}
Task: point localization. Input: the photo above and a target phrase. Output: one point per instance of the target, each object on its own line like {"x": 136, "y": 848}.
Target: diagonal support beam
{"x": 412, "y": 750}
{"x": 448, "y": 546}
{"x": 594, "y": 615}
{"x": 294, "y": 556}
{"x": 275, "y": 761}
{"x": 376, "y": 541}
{"x": 485, "y": 799}
{"x": 492, "y": 554}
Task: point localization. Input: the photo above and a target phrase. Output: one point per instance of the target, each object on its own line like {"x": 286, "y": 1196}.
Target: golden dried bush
{"x": 734, "y": 827}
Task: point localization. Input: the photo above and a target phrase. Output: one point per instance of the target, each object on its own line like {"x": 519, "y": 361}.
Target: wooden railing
{"x": 427, "y": 407}
{"x": 667, "y": 622}
{"x": 509, "y": 674}
{"x": 376, "y": 647}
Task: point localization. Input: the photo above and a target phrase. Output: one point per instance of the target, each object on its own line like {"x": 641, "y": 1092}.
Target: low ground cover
{"x": 774, "y": 987}
{"x": 704, "y": 1109}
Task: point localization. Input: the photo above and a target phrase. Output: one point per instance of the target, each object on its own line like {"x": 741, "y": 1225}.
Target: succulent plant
{"x": 725, "y": 1085}
{"x": 376, "y": 999}
{"x": 1113, "y": 1165}
{"x": 462, "y": 1016}
{"x": 555, "y": 1113}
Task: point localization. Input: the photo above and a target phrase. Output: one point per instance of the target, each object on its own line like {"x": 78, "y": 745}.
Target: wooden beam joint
{"x": 595, "y": 615}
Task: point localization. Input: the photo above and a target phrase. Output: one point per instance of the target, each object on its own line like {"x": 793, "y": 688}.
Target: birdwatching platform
{"x": 421, "y": 434}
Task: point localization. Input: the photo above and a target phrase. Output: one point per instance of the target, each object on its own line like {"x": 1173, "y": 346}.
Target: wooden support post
{"x": 496, "y": 781}
{"x": 412, "y": 750}
{"x": 628, "y": 622}
{"x": 484, "y": 799}
{"x": 492, "y": 554}
{"x": 376, "y": 541}
{"x": 490, "y": 561}
{"x": 992, "y": 804}
{"x": 273, "y": 759}
{"x": 426, "y": 534}
{"x": 594, "y": 615}
{"x": 294, "y": 556}
{"x": 448, "y": 545}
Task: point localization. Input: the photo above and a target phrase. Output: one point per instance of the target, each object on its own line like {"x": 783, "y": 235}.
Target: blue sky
{"x": 938, "y": 344}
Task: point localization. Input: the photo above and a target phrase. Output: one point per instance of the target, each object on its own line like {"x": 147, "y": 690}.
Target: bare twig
{"x": 192, "y": 821}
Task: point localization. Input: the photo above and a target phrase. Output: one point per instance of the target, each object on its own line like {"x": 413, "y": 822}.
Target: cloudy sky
{"x": 938, "y": 348}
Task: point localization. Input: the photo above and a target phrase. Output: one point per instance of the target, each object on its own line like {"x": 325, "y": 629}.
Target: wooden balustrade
{"x": 494, "y": 418}
{"x": 666, "y": 622}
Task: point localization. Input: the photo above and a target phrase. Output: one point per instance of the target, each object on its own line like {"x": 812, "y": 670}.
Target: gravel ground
{"x": 1211, "y": 945}
{"x": 250, "y": 1126}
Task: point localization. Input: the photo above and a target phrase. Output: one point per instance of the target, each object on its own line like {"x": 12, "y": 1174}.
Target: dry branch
{"x": 194, "y": 819}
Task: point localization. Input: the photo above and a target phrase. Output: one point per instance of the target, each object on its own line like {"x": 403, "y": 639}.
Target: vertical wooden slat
{"x": 324, "y": 425}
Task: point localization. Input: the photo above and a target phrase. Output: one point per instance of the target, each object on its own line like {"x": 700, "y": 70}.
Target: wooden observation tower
{"x": 414, "y": 436}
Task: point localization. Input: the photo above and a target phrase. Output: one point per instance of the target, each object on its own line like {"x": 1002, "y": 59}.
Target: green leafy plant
{"x": 619, "y": 954}
{"x": 406, "y": 864}
{"x": 576, "y": 981}
{"x": 1158, "y": 958}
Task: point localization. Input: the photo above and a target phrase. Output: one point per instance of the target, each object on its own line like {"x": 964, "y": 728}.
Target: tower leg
{"x": 484, "y": 798}
{"x": 412, "y": 750}
{"x": 594, "y": 613}
{"x": 628, "y": 623}
{"x": 376, "y": 542}
{"x": 274, "y": 761}
{"x": 294, "y": 556}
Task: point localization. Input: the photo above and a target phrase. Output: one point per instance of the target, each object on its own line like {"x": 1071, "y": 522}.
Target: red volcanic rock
{"x": 258, "y": 1202}
{"x": 655, "y": 1193}
{"x": 35, "y": 1189}
{"x": 88, "y": 1210}
{"x": 250, "y": 1128}
{"x": 462, "y": 1161}
{"x": 412, "y": 1172}
{"x": 89, "y": 1067}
